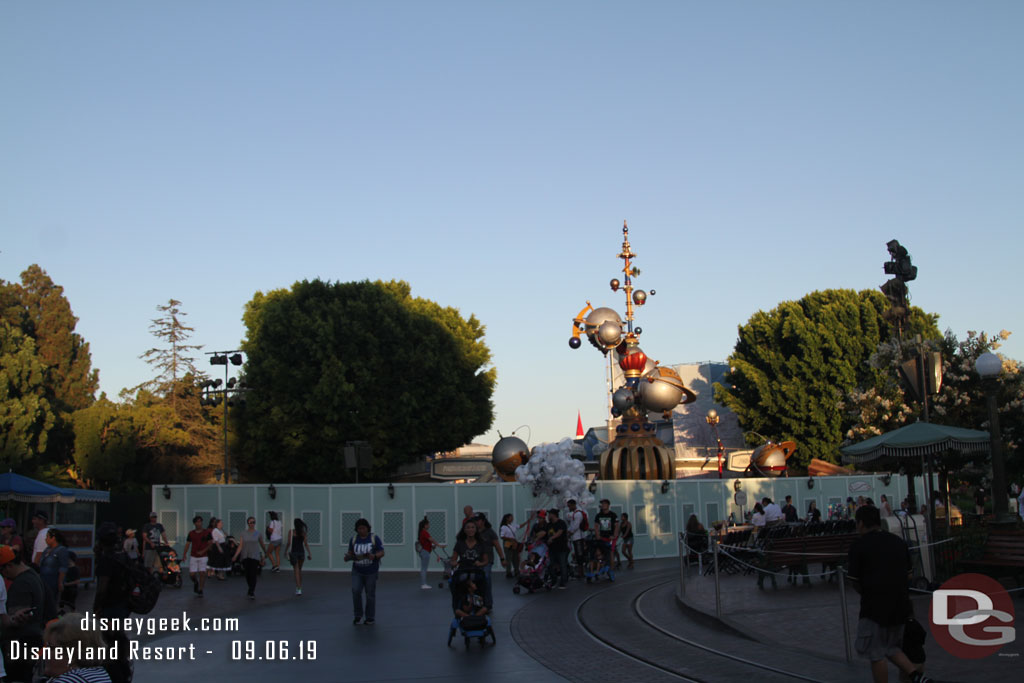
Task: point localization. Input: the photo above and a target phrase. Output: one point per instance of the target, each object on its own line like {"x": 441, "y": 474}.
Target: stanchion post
{"x": 845, "y": 612}
{"x": 718, "y": 584}
{"x": 683, "y": 559}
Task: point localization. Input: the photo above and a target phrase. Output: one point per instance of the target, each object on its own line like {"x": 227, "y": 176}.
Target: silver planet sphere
{"x": 609, "y": 334}
{"x": 509, "y": 453}
{"x": 660, "y": 389}
{"x": 623, "y": 399}
{"x": 597, "y": 318}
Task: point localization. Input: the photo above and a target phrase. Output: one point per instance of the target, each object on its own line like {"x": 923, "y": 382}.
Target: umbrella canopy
{"x": 16, "y": 487}
{"x": 915, "y": 440}
{"x": 25, "y": 490}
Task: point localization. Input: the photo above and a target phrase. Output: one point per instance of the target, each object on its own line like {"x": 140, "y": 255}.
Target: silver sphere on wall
{"x": 509, "y": 453}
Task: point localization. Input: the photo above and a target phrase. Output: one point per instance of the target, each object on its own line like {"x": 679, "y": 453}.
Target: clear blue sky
{"x": 488, "y": 153}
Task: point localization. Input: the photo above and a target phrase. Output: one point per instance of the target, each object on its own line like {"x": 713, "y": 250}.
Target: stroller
{"x": 236, "y": 565}
{"x": 467, "y": 596}
{"x": 534, "y": 575}
{"x": 600, "y": 554}
{"x": 169, "y": 571}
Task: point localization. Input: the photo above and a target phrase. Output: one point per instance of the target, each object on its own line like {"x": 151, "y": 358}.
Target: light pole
{"x": 713, "y": 420}
{"x": 213, "y": 394}
{"x": 989, "y": 366}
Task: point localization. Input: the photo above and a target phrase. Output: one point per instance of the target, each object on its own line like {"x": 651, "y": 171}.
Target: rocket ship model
{"x": 636, "y": 453}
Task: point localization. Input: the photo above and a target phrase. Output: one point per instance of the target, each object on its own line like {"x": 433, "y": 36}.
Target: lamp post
{"x": 988, "y": 366}
{"x": 713, "y": 420}
{"x": 213, "y": 395}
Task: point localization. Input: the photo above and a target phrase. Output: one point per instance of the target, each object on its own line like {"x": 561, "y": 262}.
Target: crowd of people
{"x": 39, "y": 595}
{"x": 38, "y": 605}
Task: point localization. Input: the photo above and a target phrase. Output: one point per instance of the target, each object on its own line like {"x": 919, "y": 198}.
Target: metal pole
{"x": 1000, "y": 500}
{"x": 846, "y": 613}
{"x": 683, "y": 558}
{"x": 718, "y": 585}
{"x": 227, "y": 470}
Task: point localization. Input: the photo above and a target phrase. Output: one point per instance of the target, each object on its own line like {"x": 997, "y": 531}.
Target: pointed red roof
{"x": 579, "y": 425}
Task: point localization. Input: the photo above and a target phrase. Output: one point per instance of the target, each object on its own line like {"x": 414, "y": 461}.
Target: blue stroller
{"x": 467, "y": 597}
{"x": 600, "y": 554}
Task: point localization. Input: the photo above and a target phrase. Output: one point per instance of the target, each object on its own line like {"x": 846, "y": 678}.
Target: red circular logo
{"x": 972, "y": 616}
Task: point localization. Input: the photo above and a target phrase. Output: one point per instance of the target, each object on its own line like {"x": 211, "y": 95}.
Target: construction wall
{"x": 330, "y": 511}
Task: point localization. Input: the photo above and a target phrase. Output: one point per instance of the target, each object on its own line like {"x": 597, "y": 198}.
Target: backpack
{"x": 584, "y": 523}
{"x": 141, "y": 587}
{"x": 377, "y": 546}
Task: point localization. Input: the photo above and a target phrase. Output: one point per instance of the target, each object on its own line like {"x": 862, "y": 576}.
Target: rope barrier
{"x": 776, "y": 552}
{"x": 761, "y": 570}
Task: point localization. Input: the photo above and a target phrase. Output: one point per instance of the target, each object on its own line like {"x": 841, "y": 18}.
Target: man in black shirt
{"x": 606, "y": 533}
{"x": 558, "y": 545}
{"x": 789, "y": 511}
{"x": 879, "y": 568}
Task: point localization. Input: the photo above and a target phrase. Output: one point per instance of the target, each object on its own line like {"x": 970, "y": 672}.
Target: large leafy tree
{"x": 26, "y": 415}
{"x": 128, "y": 445}
{"x": 792, "y": 367}
{"x": 38, "y": 309}
{"x": 336, "y": 362}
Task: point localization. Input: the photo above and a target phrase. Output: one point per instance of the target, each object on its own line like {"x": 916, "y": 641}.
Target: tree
{"x": 26, "y": 416}
{"x": 171, "y": 360}
{"x": 38, "y": 309}
{"x": 959, "y": 403}
{"x": 793, "y": 365}
{"x": 106, "y": 445}
{"x": 333, "y": 363}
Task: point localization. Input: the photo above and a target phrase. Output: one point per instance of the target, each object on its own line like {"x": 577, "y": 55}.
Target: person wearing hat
{"x": 153, "y": 536}
{"x": 40, "y": 522}
{"x": 9, "y": 536}
{"x": 29, "y": 606}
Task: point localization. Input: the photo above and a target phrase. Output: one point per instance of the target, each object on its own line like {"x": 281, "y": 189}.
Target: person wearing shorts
{"x": 275, "y": 534}
{"x": 199, "y": 540}
{"x": 879, "y": 569}
{"x": 298, "y": 551}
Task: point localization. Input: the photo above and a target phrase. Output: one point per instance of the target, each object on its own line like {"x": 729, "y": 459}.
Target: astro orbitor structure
{"x": 636, "y": 453}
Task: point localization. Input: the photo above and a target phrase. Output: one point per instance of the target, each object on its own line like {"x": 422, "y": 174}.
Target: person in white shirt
{"x": 39, "y": 521}
{"x": 772, "y": 512}
{"x": 757, "y": 517}
{"x": 274, "y": 537}
{"x": 1020, "y": 503}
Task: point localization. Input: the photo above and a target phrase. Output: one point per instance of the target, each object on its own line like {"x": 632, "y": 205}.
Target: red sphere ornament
{"x": 633, "y": 362}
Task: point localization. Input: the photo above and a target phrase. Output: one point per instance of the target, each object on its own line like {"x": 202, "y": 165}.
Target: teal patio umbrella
{"x": 917, "y": 440}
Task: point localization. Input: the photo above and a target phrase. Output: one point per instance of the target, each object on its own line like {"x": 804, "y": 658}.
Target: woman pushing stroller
{"x": 470, "y": 601}
{"x": 469, "y": 557}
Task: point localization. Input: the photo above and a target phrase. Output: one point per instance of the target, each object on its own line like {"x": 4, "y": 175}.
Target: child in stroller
{"x": 168, "y": 571}
{"x": 470, "y": 611}
{"x": 230, "y": 546}
{"x": 600, "y": 551}
{"x": 533, "y": 574}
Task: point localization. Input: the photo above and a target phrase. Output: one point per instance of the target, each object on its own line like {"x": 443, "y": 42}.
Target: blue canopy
{"x": 23, "y": 489}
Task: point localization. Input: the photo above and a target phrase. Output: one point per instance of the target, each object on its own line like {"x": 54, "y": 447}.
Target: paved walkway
{"x": 586, "y": 633}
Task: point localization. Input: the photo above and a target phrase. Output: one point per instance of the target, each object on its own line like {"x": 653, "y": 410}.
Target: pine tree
{"x": 171, "y": 360}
